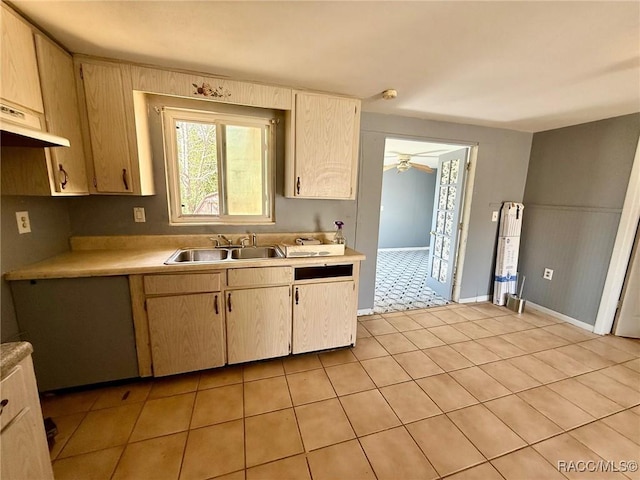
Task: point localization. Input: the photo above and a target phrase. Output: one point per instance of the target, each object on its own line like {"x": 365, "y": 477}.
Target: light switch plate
{"x": 24, "y": 224}
{"x": 548, "y": 274}
{"x": 138, "y": 215}
{"x": 494, "y": 216}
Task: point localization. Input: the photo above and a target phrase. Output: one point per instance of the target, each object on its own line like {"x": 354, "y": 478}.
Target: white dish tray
{"x": 323, "y": 250}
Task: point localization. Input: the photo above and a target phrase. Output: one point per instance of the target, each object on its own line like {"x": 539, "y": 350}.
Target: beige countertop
{"x": 115, "y": 259}
{"x": 12, "y": 354}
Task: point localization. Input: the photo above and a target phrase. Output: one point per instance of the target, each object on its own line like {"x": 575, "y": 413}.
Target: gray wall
{"x": 407, "y": 201}
{"x": 49, "y": 236}
{"x": 502, "y": 163}
{"x": 575, "y": 191}
{"x": 503, "y": 157}
{"x": 113, "y": 215}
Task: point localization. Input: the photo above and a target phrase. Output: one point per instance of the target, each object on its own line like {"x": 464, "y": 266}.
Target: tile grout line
{"x": 570, "y": 342}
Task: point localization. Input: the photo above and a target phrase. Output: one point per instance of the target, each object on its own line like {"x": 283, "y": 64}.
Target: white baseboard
{"x": 365, "y": 311}
{"x": 561, "y": 316}
{"x": 481, "y": 298}
{"x": 401, "y": 249}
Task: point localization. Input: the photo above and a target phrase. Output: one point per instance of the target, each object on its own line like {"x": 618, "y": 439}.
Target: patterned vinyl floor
{"x": 401, "y": 281}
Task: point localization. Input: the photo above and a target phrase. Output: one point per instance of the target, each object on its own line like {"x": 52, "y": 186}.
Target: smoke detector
{"x": 389, "y": 94}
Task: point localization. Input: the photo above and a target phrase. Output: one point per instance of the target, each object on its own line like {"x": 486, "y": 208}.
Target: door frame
{"x": 461, "y": 251}
{"x": 472, "y": 157}
{"x": 621, "y": 251}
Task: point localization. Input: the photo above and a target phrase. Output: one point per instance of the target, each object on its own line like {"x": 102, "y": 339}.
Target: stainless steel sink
{"x": 192, "y": 255}
{"x": 256, "y": 252}
{"x": 214, "y": 255}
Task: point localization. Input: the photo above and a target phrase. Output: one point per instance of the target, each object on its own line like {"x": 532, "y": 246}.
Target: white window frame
{"x": 171, "y": 115}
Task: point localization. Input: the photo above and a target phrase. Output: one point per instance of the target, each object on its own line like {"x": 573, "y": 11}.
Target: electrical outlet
{"x": 494, "y": 216}
{"x": 24, "y": 224}
{"x": 138, "y": 215}
{"x": 548, "y": 274}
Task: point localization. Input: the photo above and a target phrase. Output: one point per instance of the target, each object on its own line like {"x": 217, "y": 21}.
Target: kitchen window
{"x": 220, "y": 167}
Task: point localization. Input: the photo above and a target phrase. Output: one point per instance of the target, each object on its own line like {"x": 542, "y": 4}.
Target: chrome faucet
{"x": 251, "y": 239}
{"x": 222, "y": 237}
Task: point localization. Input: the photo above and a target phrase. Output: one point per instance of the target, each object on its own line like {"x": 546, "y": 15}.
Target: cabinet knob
{"x": 64, "y": 177}
{"x": 3, "y": 404}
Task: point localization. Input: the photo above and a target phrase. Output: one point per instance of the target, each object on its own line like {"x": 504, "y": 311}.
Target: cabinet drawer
{"x": 13, "y": 394}
{"x": 245, "y": 277}
{"x": 190, "y": 283}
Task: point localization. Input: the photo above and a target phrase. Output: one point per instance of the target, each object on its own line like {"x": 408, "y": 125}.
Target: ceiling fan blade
{"x": 424, "y": 168}
{"x": 419, "y": 154}
{"x": 389, "y": 167}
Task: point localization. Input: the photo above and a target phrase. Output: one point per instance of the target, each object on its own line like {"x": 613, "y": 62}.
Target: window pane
{"x": 244, "y": 170}
{"x": 197, "y": 168}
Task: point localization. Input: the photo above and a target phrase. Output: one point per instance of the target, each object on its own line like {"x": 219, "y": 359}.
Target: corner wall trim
{"x": 561, "y": 316}
{"x": 481, "y": 298}
{"x": 365, "y": 311}
{"x": 621, "y": 251}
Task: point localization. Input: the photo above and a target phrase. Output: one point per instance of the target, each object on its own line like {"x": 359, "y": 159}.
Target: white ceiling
{"x": 527, "y": 66}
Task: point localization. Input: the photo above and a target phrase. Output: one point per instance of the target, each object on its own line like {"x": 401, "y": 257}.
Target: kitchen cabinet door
{"x": 325, "y": 155}
{"x": 258, "y": 323}
{"x": 324, "y": 316}
{"x": 62, "y": 116}
{"x": 23, "y": 442}
{"x": 107, "y": 123}
{"x": 19, "y": 81}
{"x": 186, "y": 333}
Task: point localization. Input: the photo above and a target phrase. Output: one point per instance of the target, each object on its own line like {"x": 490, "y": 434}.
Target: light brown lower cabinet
{"x": 23, "y": 442}
{"x": 186, "y": 333}
{"x": 258, "y": 323}
{"x": 324, "y": 315}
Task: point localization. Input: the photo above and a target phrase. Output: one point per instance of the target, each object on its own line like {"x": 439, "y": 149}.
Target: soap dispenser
{"x": 339, "y": 235}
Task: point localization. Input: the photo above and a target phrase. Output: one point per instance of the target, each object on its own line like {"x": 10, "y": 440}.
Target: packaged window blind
{"x": 506, "y": 276}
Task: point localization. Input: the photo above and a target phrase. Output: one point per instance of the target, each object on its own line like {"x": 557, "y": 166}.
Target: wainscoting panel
{"x": 576, "y": 243}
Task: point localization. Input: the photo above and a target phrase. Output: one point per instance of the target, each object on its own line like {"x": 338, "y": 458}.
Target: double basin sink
{"x": 220, "y": 254}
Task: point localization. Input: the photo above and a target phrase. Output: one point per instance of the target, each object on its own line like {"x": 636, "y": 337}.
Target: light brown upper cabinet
{"x": 322, "y": 157}
{"x": 119, "y": 163}
{"x": 56, "y": 171}
{"x": 62, "y": 117}
{"x": 20, "y": 84}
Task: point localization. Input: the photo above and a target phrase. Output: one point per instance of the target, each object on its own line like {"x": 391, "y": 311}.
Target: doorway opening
{"x": 420, "y": 217}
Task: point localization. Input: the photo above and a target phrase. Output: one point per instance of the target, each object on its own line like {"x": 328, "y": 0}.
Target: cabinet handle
{"x": 64, "y": 181}
{"x": 229, "y": 301}
{"x": 124, "y": 179}
{"x": 3, "y": 404}
{"x": 215, "y": 304}
{"x": 297, "y": 296}
{"x": 298, "y": 185}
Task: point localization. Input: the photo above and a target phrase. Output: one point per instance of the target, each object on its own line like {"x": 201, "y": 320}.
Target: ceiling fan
{"x": 405, "y": 163}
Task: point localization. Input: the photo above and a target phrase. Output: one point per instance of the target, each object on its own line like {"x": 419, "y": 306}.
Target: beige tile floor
{"x": 469, "y": 392}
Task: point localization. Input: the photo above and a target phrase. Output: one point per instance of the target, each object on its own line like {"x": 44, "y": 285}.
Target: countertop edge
{"x": 98, "y": 263}
{"x": 11, "y": 354}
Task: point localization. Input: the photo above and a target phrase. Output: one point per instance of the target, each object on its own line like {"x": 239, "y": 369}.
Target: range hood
{"x": 17, "y": 136}
{"x": 21, "y": 129}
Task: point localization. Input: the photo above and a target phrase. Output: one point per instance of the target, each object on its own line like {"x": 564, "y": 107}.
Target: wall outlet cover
{"x": 548, "y": 274}
{"x": 139, "y": 215}
{"x": 24, "y": 224}
{"x": 494, "y": 216}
